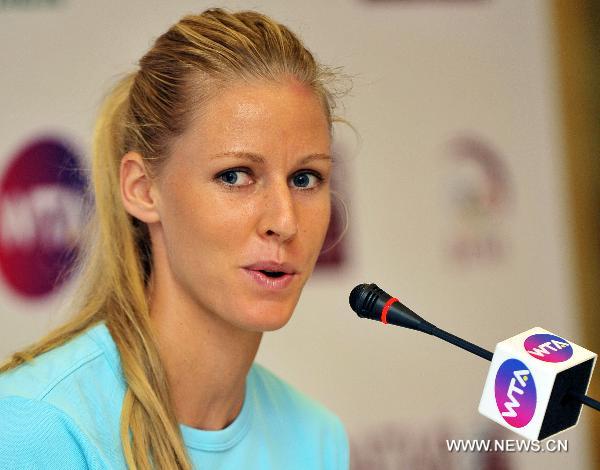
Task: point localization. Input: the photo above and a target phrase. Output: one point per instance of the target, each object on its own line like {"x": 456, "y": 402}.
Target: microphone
{"x": 536, "y": 383}
{"x": 369, "y": 301}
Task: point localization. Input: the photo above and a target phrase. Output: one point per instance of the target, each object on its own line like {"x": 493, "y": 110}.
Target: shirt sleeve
{"x": 36, "y": 435}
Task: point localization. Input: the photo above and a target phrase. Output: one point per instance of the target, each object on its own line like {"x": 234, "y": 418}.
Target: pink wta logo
{"x": 515, "y": 393}
{"x": 41, "y": 202}
{"x": 548, "y": 348}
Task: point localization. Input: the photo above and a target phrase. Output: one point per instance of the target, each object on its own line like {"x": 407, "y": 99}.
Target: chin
{"x": 266, "y": 316}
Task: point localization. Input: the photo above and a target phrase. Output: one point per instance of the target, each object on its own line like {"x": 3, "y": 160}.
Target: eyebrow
{"x": 260, "y": 159}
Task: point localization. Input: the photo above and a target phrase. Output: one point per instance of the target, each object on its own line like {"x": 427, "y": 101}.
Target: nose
{"x": 279, "y": 218}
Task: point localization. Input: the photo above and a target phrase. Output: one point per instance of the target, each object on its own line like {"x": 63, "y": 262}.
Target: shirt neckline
{"x": 198, "y": 439}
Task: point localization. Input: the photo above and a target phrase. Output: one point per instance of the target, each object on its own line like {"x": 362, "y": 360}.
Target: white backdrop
{"x": 425, "y": 74}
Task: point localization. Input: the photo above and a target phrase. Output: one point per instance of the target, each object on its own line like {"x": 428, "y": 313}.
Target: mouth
{"x": 271, "y": 280}
{"x": 272, "y": 274}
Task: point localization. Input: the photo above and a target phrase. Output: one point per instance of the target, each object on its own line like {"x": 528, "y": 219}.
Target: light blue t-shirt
{"x": 63, "y": 410}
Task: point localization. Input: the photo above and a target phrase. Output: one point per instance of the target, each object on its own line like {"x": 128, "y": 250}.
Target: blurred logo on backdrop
{"x": 41, "y": 215}
{"x": 422, "y": 445}
{"x": 480, "y": 193}
{"x": 334, "y": 253}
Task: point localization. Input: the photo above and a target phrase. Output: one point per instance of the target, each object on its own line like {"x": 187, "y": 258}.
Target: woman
{"x": 210, "y": 173}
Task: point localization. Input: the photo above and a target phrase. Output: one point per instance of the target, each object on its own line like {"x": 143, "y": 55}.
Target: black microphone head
{"x": 355, "y": 296}
{"x": 363, "y": 300}
{"x": 369, "y": 301}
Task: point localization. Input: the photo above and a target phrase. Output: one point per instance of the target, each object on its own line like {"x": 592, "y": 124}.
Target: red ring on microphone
{"x": 386, "y": 307}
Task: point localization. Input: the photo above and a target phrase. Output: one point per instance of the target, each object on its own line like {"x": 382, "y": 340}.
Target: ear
{"x": 138, "y": 191}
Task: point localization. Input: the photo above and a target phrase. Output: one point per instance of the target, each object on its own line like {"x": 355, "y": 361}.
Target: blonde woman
{"x": 210, "y": 174}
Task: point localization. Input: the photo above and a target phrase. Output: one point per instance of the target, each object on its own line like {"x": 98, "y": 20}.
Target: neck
{"x": 205, "y": 358}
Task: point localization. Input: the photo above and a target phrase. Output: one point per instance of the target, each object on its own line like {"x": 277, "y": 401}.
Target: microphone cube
{"x": 527, "y": 386}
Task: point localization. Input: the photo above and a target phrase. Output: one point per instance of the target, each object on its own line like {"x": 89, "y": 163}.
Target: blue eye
{"x": 306, "y": 180}
{"x": 230, "y": 177}
{"x": 235, "y": 177}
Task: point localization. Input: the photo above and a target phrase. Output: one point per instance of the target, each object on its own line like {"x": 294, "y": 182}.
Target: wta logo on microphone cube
{"x": 528, "y": 383}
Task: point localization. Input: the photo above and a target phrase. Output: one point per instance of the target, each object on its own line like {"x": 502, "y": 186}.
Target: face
{"x": 244, "y": 203}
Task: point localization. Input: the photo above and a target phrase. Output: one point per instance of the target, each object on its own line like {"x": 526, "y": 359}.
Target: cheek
{"x": 315, "y": 221}
{"x": 205, "y": 223}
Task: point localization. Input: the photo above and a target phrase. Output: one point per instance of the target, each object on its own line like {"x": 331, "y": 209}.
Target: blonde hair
{"x": 144, "y": 112}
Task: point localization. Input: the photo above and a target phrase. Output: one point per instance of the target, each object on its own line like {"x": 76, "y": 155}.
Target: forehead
{"x": 268, "y": 118}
